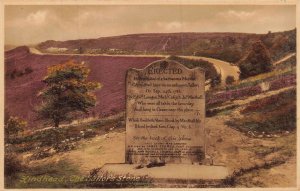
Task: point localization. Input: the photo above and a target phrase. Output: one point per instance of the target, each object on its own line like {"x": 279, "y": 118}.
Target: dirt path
{"x": 96, "y": 152}
{"x": 222, "y": 67}
{"x": 284, "y": 58}
{"x": 92, "y": 153}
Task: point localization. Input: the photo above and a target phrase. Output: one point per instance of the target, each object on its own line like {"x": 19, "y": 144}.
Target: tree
{"x": 67, "y": 92}
{"x": 13, "y": 126}
{"x": 257, "y": 61}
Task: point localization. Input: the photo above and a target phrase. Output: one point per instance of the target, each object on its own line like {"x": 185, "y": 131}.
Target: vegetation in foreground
{"x": 274, "y": 114}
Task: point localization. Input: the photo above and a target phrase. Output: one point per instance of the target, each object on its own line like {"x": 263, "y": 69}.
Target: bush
{"x": 13, "y": 126}
{"x": 229, "y": 80}
{"x": 257, "y": 61}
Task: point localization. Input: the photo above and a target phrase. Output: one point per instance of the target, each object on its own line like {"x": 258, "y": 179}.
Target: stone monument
{"x": 165, "y": 116}
{"x": 165, "y": 112}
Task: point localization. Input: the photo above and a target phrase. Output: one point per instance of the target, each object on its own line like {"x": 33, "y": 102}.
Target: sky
{"x": 31, "y": 24}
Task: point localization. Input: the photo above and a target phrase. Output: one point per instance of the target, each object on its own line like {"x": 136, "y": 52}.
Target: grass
{"x": 210, "y": 112}
{"x": 289, "y": 63}
{"x": 270, "y": 103}
{"x": 50, "y": 137}
{"x": 287, "y": 144}
{"x": 262, "y": 151}
{"x": 274, "y": 122}
{"x": 238, "y": 177}
{"x": 115, "y": 121}
{"x": 252, "y": 81}
{"x": 285, "y": 148}
{"x": 274, "y": 114}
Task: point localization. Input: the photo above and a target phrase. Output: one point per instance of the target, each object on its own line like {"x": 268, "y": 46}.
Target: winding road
{"x": 284, "y": 58}
{"x": 224, "y": 68}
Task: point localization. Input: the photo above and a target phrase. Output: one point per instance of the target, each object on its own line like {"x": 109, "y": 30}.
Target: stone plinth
{"x": 173, "y": 173}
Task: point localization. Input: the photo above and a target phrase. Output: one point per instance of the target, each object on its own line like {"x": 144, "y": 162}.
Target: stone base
{"x": 173, "y": 173}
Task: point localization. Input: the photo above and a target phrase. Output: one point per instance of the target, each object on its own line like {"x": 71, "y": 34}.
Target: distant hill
{"x": 225, "y": 46}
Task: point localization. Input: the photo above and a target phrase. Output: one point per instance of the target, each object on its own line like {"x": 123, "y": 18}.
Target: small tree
{"x": 229, "y": 80}
{"x": 257, "y": 61}
{"x": 67, "y": 92}
{"x": 13, "y": 126}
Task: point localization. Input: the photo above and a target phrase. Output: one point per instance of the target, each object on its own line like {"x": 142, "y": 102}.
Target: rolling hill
{"x": 22, "y": 89}
{"x": 225, "y": 46}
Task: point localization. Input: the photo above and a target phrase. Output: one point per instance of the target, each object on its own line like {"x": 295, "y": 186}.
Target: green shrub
{"x": 257, "y": 61}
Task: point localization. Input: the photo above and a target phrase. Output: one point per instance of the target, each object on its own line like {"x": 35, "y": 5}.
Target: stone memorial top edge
{"x": 165, "y": 61}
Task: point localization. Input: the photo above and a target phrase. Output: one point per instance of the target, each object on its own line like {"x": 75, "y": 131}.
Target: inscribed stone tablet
{"x": 165, "y": 111}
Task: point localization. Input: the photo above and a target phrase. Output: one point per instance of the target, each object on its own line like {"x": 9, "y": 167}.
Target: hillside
{"x": 24, "y": 72}
{"x": 250, "y": 124}
{"x": 225, "y": 46}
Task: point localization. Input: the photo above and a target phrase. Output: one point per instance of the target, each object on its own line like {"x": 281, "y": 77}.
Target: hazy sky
{"x": 29, "y": 24}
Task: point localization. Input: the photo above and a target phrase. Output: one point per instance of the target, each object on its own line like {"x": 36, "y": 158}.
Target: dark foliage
{"x": 257, "y": 61}
{"x": 229, "y": 80}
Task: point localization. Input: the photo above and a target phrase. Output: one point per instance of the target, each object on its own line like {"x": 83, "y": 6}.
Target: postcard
{"x": 164, "y": 94}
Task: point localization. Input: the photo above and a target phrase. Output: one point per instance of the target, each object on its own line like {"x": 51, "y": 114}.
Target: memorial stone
{"x": 165, "y": 112}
